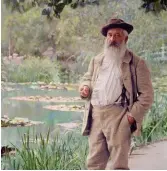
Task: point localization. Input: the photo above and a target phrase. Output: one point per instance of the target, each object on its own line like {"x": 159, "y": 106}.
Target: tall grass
{"x": 64, "y": 152}
{"x": 155, "y": 122}
{"x": 33, "y": 69}
{"x": 69, "y": 151}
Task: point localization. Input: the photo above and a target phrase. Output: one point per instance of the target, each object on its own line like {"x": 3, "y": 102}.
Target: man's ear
{"x": 126, "y": 39}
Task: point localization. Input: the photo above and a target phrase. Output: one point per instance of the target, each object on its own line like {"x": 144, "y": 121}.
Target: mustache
{"x": 115, "y": 44}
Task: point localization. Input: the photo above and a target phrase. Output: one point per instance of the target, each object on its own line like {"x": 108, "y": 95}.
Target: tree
{"x": 78, "y": 31}
{"x": 30, "y": 33}
{"x": 76, "y": 37}
{"x": 55, "y": 7}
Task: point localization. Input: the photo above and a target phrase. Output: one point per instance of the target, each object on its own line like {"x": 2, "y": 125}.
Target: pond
{"x": 34, "y": 111}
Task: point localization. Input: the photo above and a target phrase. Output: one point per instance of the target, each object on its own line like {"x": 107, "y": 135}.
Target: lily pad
{"x": 48, "y": 99}
{"x": 27, "y": 83}
{"x": 17, "y": 121}
{"x": 34, "y": 86}
{"x": 78, "y": 108}
{"x": 8, "y": 89}
{"x": 69, "y": 126}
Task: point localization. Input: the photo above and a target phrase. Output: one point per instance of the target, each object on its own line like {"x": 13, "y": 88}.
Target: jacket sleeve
{"x": 86, "y": 79}
{"x": 145, "y": 92}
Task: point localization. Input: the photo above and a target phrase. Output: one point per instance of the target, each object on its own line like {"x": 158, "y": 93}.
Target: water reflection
{"x": 34, "y": 111}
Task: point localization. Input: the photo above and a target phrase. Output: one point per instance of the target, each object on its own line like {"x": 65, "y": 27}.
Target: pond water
{"x": 34, "y": 111}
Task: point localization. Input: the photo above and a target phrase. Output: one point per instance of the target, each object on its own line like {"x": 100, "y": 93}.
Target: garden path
{"x": 150, "y": 157}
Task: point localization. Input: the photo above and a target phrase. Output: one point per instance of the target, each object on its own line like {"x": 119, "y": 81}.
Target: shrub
{"x": 33, "y": 69}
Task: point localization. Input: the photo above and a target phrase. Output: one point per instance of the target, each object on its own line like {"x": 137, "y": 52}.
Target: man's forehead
{"x": 115, "y": 30}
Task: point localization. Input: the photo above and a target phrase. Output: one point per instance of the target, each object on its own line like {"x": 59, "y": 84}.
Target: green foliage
{"x": 28, "y": 33}
{"x": 3, "y": 71}
{"x": 154, "y": 6}
{"x": 155, "y": 122}
{"x": 33, "y": 69}
{"x": 63, "y": 152}
{"x": 140, "y": 39}
{"x": 64, "y": 75}
{"x": 77, "y": 34}
{"x": 55, "y": 7}
{"x": 78, "y": 30}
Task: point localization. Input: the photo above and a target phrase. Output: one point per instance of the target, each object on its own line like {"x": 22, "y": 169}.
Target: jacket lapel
{"x": 98, "y": 63}
{"x": 126, "y": 74}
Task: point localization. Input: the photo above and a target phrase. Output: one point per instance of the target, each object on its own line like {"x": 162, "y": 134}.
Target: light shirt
{"x": 108, "y": 87}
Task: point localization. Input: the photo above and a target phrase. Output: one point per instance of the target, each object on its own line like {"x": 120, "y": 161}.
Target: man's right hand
{"x": 84, "y": 91}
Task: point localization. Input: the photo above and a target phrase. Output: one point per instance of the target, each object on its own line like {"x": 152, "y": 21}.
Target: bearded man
{"x": 118, "y": 90}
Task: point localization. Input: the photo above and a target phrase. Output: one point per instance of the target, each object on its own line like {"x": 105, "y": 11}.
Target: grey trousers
{"x": 109, "y": 139}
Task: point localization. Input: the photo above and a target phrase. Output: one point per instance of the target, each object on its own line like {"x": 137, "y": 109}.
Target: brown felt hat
{"x": 116, "y": 23}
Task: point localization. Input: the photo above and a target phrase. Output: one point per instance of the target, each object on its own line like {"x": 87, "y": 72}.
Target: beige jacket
{"x": 137, "y": 81}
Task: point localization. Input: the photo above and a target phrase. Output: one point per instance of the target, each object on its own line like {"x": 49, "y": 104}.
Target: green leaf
{"x": 60, "y": 7}
{"x": 74, "y": 5}
{"x": 67, "y": 2}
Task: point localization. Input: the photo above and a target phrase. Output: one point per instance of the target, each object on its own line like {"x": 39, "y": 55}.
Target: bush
{"x": 33, "y": 69}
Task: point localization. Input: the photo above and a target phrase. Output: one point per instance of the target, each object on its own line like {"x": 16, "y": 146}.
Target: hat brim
{"x": 124, "y": 26}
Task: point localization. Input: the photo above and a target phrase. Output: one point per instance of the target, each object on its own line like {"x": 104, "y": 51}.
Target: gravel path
{"x": 151, "y": 157}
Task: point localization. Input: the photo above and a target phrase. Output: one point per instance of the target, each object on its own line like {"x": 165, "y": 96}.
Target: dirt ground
{"x": 151, "y": 157}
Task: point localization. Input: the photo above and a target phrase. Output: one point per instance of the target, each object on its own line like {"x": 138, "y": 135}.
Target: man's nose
{"x": 112, "y": 39}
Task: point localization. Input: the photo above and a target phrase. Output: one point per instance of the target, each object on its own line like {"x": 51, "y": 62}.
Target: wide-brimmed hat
{"x": 116, "y": 23}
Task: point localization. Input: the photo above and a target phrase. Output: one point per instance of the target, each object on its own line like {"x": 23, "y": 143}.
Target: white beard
{"x": 115, "y": 53}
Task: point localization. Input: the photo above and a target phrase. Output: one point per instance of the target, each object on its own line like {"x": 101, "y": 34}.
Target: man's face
{"x": 115, "y": 37}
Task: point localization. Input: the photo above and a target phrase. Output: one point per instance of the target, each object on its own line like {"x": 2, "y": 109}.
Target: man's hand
{"x": 131, "y": 119}
{"x": 84, "y": 91}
